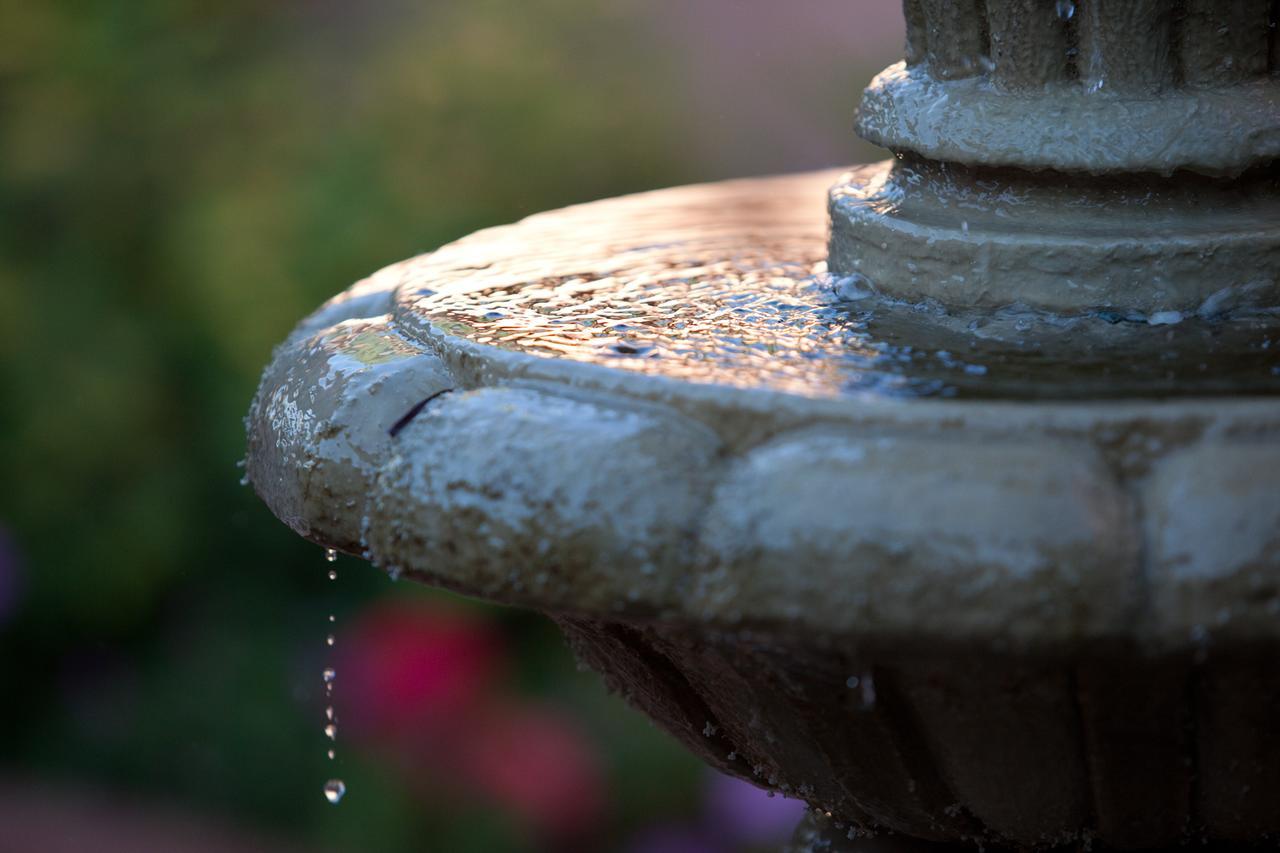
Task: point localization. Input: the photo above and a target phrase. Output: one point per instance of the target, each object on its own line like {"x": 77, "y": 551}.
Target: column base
{"x": 1137, "y": 247}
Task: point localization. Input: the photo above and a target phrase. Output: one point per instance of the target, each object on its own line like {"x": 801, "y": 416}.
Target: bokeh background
{"x": 180, "y": 182}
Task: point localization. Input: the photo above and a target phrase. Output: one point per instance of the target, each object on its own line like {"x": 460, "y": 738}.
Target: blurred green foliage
{"x": 183, "y": 181}
{"x": 180, "y": 182}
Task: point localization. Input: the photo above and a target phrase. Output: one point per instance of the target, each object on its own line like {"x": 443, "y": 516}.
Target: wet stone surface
{"x": 753, "y": 569}
{"x": 706, "y": 286}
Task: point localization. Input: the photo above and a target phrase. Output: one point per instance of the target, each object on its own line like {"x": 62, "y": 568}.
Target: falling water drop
{"x": 865, "y": 684}
{"x": 1066, "y": 9}
{"x": 334, "y": 789}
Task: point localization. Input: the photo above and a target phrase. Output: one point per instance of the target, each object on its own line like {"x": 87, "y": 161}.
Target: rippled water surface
{"x": 728, "y": 284}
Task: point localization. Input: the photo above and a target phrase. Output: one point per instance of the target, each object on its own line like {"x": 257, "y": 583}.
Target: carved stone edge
{"x": 575, "y": 488}
{"x": 1156, "y": 523}
{"x": 1211, "y": 131}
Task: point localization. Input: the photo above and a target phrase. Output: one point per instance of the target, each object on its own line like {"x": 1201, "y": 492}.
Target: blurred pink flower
{"x": 422, "y": 683}
{"x": 536, "y": 764}
{"x": 420, "y": 668}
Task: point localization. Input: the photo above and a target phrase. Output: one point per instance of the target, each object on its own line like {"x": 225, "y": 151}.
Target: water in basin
{"x": 699, "y": 285}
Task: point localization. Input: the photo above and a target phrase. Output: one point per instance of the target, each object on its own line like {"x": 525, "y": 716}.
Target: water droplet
{"x": 1165, "y": 318}
{"x": 333, "y": 574}
{"x": 331, "y": 731}
{"x": 334, "y": 790}
{"x": 852, "y": 288}
{"x": 328, "y": 713}
{"x": 329, "y": 640}
{"x": 851, "y": 682}
{"x": 329, "y": 674}
{"x": 332, "y": 618}
{"x": 330, "y": 555}
{"x": 331, "y": 754}
{"x": 1066, "y": 9}
{"x": 866, "y": 687}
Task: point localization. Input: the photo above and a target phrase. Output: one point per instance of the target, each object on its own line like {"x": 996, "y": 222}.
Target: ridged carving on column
{"x": 956, "y": 33}
{"x": 1125, "y": 46}
{"x": 1030, "y": 47}
{"x": 1224, "y": 43}
{"x": 916, "y": 51}
{"x": 1145, "y": 86}
{"x": 1275, "y": 38}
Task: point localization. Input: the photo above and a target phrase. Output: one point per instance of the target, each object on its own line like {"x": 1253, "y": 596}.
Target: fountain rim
{"x": 1062, "y": 433}
{"x": 378, "y": 295}
{"x": 527, "y": 368}
{"x": 330, "y": 469}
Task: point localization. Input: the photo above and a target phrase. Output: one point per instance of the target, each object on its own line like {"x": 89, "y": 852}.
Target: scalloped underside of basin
{"x": 954, "y": 592}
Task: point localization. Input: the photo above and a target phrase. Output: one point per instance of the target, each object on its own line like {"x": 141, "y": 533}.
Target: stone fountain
{"x": 951, "y": 507}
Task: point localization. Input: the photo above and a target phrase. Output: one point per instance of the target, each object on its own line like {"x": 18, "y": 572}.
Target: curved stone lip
{"x": 1214, "y": 132}
{"x": 578, "y": 488}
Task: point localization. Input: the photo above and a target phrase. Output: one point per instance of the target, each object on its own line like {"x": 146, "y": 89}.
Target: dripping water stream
{"x": 335, "y": 788}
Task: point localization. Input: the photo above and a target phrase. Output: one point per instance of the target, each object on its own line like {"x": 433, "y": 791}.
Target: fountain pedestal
{"x": 948, "y": 575}
{"x": 1073, "y": 158}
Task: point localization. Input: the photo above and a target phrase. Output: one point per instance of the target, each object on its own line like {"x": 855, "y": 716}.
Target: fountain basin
{"x": 825, "y": 561}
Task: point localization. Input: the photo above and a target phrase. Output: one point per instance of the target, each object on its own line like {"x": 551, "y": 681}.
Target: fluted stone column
{"x": 1073, "y": 156}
